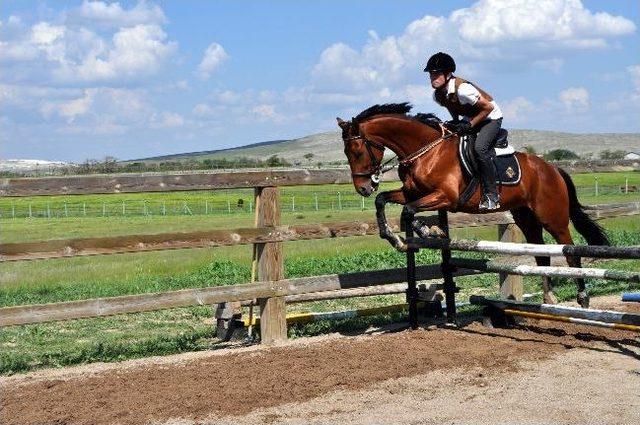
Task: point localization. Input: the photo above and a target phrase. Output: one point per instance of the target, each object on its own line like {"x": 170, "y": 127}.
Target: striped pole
{"x": 512, "y": 248}
{"x": 542, "y": 316}
{"x": 593, "y": 317}
{"x": 550, "y": 271}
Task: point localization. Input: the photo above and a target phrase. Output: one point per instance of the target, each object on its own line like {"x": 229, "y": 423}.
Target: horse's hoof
{"x": 402, "y": 247}
{"x": 422, "y": 231}
{"x": 550, "y": 298}
{"x": 436, "y": 232}
{"x": 583, "y": 299}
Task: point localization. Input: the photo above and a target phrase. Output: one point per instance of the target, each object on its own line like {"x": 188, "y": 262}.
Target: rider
{"x": 481, "y": 116}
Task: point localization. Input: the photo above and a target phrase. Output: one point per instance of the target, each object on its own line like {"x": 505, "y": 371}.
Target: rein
{"x": 407, "y": 161}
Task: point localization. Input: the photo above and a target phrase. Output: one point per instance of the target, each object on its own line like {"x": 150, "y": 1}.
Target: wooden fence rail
{"x": 78, "y": 247}
{"x": 149, "y": 182}
{"x": 98, "y": 307}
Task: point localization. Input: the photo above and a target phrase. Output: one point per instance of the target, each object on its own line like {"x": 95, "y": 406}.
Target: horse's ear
{"x": 342, "y": 123}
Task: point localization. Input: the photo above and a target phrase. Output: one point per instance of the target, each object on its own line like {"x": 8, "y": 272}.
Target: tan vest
{"x": 452, "y": 102}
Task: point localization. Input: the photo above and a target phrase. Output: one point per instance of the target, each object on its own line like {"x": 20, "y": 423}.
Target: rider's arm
{"x": 453, "y": 115}
{"x": 485, "y": 109}
{"x": 468, "y": 94}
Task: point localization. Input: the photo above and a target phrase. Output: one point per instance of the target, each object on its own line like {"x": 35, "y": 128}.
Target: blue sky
{"x": 87, "y": 79}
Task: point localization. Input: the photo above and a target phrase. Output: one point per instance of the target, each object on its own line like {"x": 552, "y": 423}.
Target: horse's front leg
{"x": 397, "y": 197}
{"x": 432, "y": 202}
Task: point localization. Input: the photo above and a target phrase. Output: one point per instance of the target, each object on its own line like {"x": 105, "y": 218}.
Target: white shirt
{"x": 469, "y": 95}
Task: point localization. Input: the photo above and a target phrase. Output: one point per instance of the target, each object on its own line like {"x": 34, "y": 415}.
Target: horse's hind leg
{"x": 532, "y": 229}
{"x": 563, "y": 236}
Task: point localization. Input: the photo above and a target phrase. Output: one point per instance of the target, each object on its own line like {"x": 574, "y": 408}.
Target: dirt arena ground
{"x": 543, "y": 372}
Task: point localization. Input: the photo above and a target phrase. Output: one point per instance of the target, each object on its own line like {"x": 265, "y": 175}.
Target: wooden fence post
{"x": 510, "y": 285}
{"x": 269, "y": 266}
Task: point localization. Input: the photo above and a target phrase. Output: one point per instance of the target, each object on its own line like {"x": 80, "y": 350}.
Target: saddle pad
{"x": 506, "y": 163}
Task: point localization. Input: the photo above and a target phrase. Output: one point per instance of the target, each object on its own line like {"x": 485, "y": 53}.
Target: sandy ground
{"x": 542, "y": 372}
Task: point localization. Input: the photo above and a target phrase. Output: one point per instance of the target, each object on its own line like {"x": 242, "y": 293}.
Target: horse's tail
{"x": 592, "y": 232}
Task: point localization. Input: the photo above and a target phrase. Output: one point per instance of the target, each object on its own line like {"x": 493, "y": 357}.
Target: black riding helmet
{"x": 440, "y": 62}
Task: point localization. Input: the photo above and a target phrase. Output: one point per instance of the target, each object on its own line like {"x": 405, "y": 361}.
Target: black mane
{"x": 397, "y": 108}
{"x": 387, "y": 108}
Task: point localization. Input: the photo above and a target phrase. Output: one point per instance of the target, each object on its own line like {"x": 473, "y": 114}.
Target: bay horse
{"x": 433, "y": 179}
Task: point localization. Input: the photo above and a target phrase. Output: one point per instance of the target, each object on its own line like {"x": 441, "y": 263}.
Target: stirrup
{"x": 489, "y": 204}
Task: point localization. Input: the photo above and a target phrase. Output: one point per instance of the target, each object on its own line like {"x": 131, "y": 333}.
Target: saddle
{"x": 506, "y": 163}
{"x": 507, "y": 166}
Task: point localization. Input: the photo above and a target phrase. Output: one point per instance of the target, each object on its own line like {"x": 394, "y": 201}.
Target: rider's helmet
{"x": 440, "y": 62}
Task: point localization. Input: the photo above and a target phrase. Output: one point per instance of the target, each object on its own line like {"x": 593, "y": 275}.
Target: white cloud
{"x": 47, "y": 53}
{"x": 488, "y": 33}
{"x": 44, "y": 33}
{"x": 136, "y": 52}
{"x": 566, "y": 21}
{"x": 267, "y": 113}
{"x": 167, "y": 120}
{"x": 516, "y": 109}
{"x": 113, "y": 15}
{"x": 554, "y": 65}
{"x": 575, "y": 98}
{"x": 213, "y": 58}
{"x": 203, "y": 110}
{"x": 70, "y": 109}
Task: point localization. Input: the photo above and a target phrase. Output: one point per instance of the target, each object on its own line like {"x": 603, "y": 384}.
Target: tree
{"x": 529, "y": 149}
{"x": 308, "y": 156}
{"x": 609, "y": 154}
{"x": 560, "y": 155}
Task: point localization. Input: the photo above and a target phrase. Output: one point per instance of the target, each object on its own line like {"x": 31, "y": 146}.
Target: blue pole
{"x": 631, "y": 297}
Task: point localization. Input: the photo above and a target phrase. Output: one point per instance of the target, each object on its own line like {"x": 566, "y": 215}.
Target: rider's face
{"x": 438, "y": 79}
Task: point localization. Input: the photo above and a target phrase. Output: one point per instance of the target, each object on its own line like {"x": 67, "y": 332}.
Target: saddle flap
{"x": 506, "y": 163}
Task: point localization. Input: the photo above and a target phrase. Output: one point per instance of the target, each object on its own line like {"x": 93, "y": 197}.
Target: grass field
{"x": 126, "y": 336}
{"x": 239, "y": 202}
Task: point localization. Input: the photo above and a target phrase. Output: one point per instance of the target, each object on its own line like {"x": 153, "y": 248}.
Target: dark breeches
{"x": 483, "y": 146}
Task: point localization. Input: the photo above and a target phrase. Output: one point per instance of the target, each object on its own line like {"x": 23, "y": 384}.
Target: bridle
{"x": 379, "y": 168}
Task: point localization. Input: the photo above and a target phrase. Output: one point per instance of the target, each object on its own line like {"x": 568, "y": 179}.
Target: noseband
{"x": 376, "y": 167}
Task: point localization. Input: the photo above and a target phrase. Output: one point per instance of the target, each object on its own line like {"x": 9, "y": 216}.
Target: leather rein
{"x": 379, "y": 168}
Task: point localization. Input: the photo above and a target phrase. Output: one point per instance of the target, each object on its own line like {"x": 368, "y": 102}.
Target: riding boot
{"x": 490, "y": 196}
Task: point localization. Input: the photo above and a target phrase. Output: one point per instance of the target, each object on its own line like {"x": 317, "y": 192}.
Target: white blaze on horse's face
{"x": 362, "y": 160}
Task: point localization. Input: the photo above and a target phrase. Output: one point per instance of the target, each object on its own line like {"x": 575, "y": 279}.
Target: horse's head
{"x": 365, "y": 157}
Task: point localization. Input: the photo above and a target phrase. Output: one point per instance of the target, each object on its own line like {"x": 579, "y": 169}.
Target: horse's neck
{"x": 404, "y": 137}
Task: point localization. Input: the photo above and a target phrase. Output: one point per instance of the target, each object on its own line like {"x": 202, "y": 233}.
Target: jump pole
{"x": 511, "y": 248}
{"x": 412, "y": 289}
{"x": 592, "y": 317}
{"x": 631, "y": 297}
{"x": 449, "y": 286}
{"x": 551, "y": 271}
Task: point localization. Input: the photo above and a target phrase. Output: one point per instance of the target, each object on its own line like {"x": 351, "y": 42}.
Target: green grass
{"x": 218, "y": 203}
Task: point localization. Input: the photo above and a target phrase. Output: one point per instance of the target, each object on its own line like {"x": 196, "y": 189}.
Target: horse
{"x": 433, "y": 179}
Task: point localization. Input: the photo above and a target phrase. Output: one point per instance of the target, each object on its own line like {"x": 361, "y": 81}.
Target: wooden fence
{"x": 268, "y": 287}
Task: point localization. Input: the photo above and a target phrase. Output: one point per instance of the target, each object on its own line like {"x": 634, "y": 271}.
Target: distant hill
{"x": 24, "y": 165}
{"x": 327, "y": 147}
{"x": 204, "y": 154}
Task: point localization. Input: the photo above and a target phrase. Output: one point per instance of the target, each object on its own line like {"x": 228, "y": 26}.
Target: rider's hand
{"x": 463, "y": 127}
{"x": 452, "y": 125}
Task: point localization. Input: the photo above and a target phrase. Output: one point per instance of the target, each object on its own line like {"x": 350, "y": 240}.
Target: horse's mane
{"x": 397, "y": 108}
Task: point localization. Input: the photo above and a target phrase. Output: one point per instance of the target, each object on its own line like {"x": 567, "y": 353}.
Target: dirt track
{"x": 547, "y": 372}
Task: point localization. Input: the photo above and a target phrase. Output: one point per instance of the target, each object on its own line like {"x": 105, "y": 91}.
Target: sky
{"x": 88, "y": 79}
